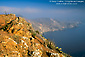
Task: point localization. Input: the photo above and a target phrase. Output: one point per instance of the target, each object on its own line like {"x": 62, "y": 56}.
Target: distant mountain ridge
{"x": 49, "y": 24}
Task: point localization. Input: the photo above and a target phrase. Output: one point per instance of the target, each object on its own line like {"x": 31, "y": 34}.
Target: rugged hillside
{"x": 49, "y": 24}
{"x": 19, "y": 39}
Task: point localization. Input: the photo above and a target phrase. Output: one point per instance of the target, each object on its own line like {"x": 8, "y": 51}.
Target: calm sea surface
{"x": 72, "y": 41}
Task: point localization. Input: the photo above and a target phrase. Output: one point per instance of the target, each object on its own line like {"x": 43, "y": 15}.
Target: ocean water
{"x": 72, "y": 41}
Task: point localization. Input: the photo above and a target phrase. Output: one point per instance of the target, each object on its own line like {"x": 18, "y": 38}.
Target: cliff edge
{"x": 19, "y": 39}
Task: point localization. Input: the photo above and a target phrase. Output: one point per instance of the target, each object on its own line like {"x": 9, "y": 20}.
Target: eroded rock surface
{"x": 19, "y": 39}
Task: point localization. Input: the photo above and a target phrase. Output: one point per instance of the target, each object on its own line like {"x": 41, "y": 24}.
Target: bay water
{"x": 72, "y": 41}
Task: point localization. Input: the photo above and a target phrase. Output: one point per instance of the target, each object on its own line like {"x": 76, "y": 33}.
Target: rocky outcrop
{"x": 19, "y": 39}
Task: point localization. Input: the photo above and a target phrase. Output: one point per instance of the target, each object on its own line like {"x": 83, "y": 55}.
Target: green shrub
{"x": 33, "y": 35}
{"x": 37, "y": 32}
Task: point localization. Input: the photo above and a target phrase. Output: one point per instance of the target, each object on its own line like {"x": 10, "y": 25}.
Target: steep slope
{"x": 19, "y": 39}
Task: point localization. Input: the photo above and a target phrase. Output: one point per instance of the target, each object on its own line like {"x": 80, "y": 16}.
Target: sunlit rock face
{"x": 19, "y": 39}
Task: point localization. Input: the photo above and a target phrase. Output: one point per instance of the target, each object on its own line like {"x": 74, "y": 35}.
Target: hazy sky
{"x": 42, "y": 9}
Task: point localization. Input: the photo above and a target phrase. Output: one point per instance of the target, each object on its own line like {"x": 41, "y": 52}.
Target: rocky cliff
{"x": 19, "y": 39}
